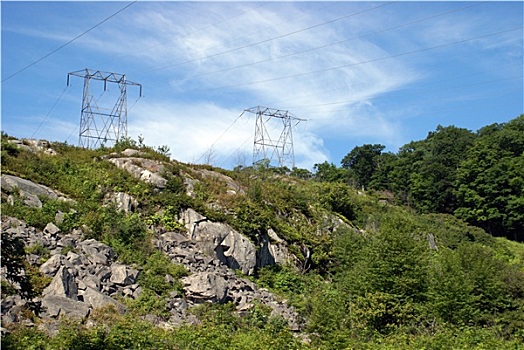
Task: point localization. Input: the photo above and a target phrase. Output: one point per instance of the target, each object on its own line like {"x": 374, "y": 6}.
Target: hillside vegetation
{"x": 380, "y": 255}
{"x": 475, "y": 176}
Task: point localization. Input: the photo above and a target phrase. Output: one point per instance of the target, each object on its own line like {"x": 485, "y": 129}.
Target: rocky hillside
{"x": 186, "y": 256}
{"x": 86, "y": 274}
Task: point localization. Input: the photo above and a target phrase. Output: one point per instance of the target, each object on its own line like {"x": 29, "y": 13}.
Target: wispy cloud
{"x": 202, "y": 64}
{"x": 189, "y": 128}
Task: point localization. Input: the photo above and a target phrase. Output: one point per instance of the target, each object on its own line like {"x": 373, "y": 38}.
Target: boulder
{"x": 29, "y": 199}
{"x": 130, "y": 152}
{"x": 98, "y": 259}
{"x": 10, "y": 183}
{"x": 123, "y": 275}
{"x": 92, "y": 247}
{"x": 271, "y": 254}
{"x": 209, "y": 235}
{"x": 95, "y": 300}
{"x": 122, "y": 201}
{"x": 232, "y": 187}
{"x": 52, "y": 265}
{"x": 190, "y": 183}
{"x": 33, "y": 145}
{"x": 51, "y": 229}
{"x": 153, "y": 178}
{"x": 74, "y": 258}
{"x": 63, "y": 285}
{"x": 237, "y": 252}
{"x": 221, "y": 241}
{"x": 205, "y": 286}
{"x": 29, "y": 190}
{"x": 174, "y": 238}
{"x": 190, "y": 218}
{"x": 90, "y": 281}
{"x": 273, "y": 235}
{"x": 55, "y": 306}
{"x": 147, "y": 171}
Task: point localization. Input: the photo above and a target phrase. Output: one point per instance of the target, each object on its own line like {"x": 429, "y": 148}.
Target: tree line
{"x": 476, "y": 176}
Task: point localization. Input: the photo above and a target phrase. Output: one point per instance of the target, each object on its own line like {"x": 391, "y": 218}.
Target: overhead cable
{"x": 69, "y": 42}
{"x": 363, "y": 62}
{"x": 335, "y": 43}
{"x": 271, "y": 39}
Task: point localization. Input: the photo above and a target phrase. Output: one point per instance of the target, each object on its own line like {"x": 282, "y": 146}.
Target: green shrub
{"x": 37, "y": 279}
{"x": 24, "y": 338}
{"x": 167, "y": 218}
{"x": 155, "y": 270}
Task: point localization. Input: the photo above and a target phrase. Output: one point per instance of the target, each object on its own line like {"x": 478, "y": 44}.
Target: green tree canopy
{"x": 363, "y": 162}
{"x": 328, "y": 172}
{"x": 490, "y": 181}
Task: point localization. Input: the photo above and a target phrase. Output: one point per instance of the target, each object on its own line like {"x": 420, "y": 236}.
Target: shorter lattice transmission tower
{"x": 273, "y": 139}
{"x": 101, "y": 123}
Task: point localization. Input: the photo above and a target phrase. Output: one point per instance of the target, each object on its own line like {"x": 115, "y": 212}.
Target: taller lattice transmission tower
{"x": 273, "y": 139}
{"x": 99, "y": 123}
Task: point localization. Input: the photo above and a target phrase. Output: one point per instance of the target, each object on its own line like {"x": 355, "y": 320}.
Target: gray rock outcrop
{"x": 83, "y": 279}
{"x": 89, "y": 277}
{"x": 221, "y": 241}
{"x": 55, "y": 306}
{"x": 94, "y": 299}
{"x": 210, "y": 278}
{"x": 122, "y": 201}
{"x": 233, "y": 188}
{"x": 238, "y": 252}
{"x": 272, "y": 250}
{"x": 206, "y": 286}
{"x": 144, "y": 169}
{"x": 29, "y": 190}
{"x": 33, "y": 145}
{"x": 62, "y": 285}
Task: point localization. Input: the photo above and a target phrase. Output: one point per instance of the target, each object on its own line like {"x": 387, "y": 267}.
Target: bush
{"x": 156, "y": 272}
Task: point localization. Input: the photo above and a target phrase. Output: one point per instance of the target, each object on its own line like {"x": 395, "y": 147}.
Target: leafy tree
{"x": 363, "y": 162}
{"x": 490, "y": 181}
{"x": 339, "y": 198}
{"x": 424, "y": 174}
{"x": 400, "y": 176}
{"x": 328, "y": 172}
{"x": 467, "y": 285}
{"x": 382, "y": 178}
{"x": 444, "y": 149}
{"x": 301, "y": 173}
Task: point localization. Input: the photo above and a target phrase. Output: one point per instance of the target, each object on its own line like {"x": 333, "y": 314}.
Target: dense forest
{"x": 417, "y": 249}
{"x": 475, "y": 176}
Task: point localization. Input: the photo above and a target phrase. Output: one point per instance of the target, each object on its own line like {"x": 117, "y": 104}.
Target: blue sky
{"x": 358, "y": 72}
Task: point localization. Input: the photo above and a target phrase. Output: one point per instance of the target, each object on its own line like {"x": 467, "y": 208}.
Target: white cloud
{"x": 198, "y": 131}
{"x": 189, "y": 128}
{"x": 183, "y": 53}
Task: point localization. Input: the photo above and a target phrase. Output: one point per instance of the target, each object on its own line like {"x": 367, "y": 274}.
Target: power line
{"x": 364, "y": 98}
{"x": 363, "y": 62}
{"x": 69, "y": 42}
{"x": 418, "y": 86}
{"x": 271, "y": 39}
{"x": 192, "y": 33}
{"x": 213, "y": 144}
{"x": 48, "y": 113}
{"x": 336, "y": 43}
{"x": 483, "y": 97}
{"x": 71, "y": 134}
